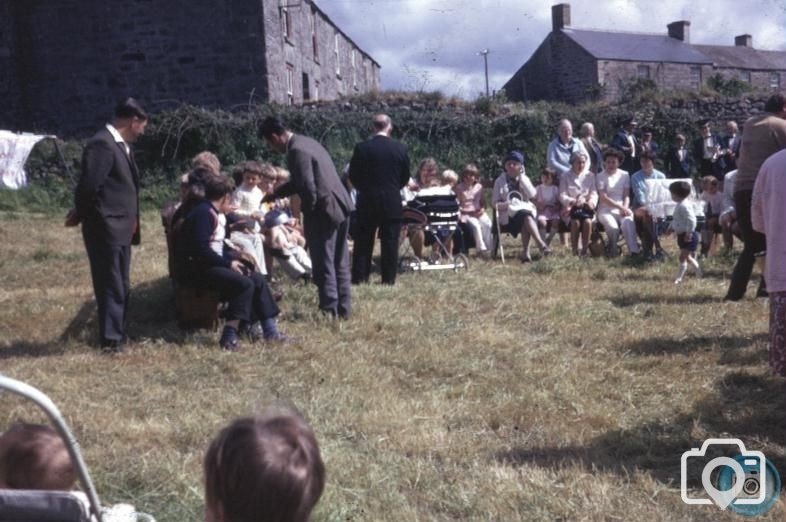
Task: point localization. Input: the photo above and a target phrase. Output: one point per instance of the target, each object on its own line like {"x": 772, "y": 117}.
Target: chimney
{"x": 743, "y": 40}
{"x": 680, "y": 30}
{"x": 560, "y": 16}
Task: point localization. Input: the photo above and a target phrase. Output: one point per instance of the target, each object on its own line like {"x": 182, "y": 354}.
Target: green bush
{"x": 452, "y": 131}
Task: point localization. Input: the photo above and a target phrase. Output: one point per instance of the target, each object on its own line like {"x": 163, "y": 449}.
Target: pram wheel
{"x": 408, "y": 264}
{"x": 460, "y": 262}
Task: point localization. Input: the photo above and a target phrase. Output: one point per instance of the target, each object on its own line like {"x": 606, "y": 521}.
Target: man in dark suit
{"x": 379, "y": 169}
{"x": 678, "y": 159}
{"x": 106, "y": 202}
{"x": 625, "y": 140}
{"x": 326, "y": 207}
{"x": 707, "y": 152}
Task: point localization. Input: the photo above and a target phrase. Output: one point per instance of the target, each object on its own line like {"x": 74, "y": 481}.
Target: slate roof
{"x": 743, "y": 57}
{"x": 639, "y": 47}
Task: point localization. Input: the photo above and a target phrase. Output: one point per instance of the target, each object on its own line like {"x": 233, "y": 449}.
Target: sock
{"x": 695, "y": 265}
{"x": 269, "y": 328}
{"x": 681, "y": 272}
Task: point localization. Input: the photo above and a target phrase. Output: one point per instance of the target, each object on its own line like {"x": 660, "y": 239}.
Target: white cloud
{"x": 433, "y": 44}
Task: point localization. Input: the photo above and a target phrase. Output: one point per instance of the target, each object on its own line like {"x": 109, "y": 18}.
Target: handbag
{"x": 517, "y": 203}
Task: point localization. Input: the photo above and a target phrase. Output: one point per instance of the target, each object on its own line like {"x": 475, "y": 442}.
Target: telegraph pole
{"x": 485, "y": 54}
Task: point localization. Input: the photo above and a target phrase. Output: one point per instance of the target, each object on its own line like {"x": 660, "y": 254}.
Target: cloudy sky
{"x": 434, "y": 44}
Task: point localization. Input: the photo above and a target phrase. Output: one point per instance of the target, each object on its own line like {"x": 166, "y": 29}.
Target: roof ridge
{"x": 640, "y": 33}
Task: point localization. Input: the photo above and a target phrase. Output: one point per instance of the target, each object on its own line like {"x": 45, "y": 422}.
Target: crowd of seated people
{"x": 574, "y": 196}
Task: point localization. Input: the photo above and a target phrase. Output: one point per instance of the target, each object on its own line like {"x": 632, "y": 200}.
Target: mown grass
{"x": 560, "y": 390}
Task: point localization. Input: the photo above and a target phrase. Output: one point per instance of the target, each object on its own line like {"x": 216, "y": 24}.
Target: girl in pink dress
{"x": 470, "y": 197}
{"x": 548, "y": 205}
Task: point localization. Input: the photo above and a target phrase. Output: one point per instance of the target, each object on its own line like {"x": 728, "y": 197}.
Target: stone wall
{"x": 304, "y": 65}
{"x": 558, "y": 70}
{"x": 614, "y": 75}
{"x": 62, "y": 70}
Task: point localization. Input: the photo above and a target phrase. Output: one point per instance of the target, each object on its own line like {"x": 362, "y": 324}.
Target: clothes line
{"x": 15, "y": 148}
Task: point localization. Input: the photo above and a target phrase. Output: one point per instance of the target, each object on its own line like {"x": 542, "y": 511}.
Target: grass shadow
{"x": 624, "y": 301}
{"x": 27, "y": 349}
{"x": 732, "y": 346}
{"x": 151, "y": 315}
{"x": 747, "y": 407}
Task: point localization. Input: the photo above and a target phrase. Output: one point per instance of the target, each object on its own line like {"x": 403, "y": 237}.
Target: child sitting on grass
{"x": 266, "y": 469}
{"x": 683, "y": 224}
{"x": 34, "y": 456}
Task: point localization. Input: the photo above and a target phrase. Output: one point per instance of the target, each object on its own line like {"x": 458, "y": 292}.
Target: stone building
{"x": 575, "y": 65}
{"x": 64, "y": 64}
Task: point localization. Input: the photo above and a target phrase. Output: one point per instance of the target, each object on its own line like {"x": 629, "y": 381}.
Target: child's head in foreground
{"x": 679, "y": 190}
{"x": 34, "y": 456}
{"x": 266, "y": 469}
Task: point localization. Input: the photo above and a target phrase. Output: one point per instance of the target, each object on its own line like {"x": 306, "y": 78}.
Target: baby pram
{"x": 437, "y": 215}
{"x": 59, "y": 506}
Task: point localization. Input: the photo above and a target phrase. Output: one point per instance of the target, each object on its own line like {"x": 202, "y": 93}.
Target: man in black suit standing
{"x": 626, "y": 141}
{"x": 379, "y": 169}
{"x": 106, "y": 203}
{"x": 326, "y": 208}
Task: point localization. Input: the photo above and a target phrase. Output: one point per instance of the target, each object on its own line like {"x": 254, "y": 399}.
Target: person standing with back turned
{"x": 326, "y": 206}
{"x": 764, "y": 134}
{"x": 379, "y": 169}
{"x": 106, "y": 202}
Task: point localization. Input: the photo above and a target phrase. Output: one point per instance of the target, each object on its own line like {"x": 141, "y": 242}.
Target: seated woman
{"x": 517, "y": 213}
{"x": 614, "y": 211}
{"x": 470, "y": 197}
{"x": 203, "y": 262}
{"x": 579, "y": 199}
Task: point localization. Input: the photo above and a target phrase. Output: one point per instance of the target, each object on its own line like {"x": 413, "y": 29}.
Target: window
{"x": 695, "y": 77}
{"x": 745, "y": 76}
{"x": 643, "y": 71}
{"x": 290, "y": 84}
{"x": 314, "y": 41}
{"x": 775, "y": 81}
{"x": 337, "y": 55}
{"x": 354, "y": 69}
{"x": 306, "y": 94}
{"x": 286, "y": 24}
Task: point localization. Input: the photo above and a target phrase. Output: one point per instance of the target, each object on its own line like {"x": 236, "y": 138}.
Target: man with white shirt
{"x": 106, "y": 203}
{"x": 625, "y": 140}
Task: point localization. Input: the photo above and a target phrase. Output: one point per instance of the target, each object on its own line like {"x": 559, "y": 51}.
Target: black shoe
{"x": 112, "y": 346}
{"x": 229, "y": 340}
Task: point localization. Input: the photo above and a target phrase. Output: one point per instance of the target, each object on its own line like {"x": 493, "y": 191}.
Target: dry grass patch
{"x": 558, "y": 390}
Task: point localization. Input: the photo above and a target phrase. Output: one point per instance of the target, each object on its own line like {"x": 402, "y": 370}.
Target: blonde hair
{"x": 449, "y": 177}
{"x": 207, "y": 160}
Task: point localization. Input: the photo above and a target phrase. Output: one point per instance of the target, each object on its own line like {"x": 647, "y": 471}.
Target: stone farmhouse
{"x": 575, "y": 65}
{"x": 64, "y": 64}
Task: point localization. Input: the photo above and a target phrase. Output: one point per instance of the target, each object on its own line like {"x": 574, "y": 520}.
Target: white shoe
{"x": 678, "y": 281}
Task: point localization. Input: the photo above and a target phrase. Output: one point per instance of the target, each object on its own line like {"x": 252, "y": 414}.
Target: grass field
{"x": 558, "y": 390}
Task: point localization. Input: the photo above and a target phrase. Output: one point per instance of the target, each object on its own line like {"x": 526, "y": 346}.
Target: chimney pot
{"x": 743, "y": 40}
{"x": 560, "y": 16}
{"x": 680, "y": 30}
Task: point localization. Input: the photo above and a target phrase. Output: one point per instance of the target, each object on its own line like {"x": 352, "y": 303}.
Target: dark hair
{"x": 34, "y": 456}
{"x": 551, "y": 173}
{"x": 266, "y": 469}
{"x": 611, "y": 151}
{"x": 239, "y": 170}
{"x": 271, "y": 125}
{"x": 130, "y": 108}
{"x": 649, "y": 155}
{"x": 681, "y": 189}
{"x": 775, "y": 103}
{"x": 217, "y": 187}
